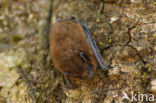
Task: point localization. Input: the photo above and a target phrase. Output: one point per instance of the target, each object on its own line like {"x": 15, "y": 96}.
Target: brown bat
{"x": 73, "y": 50}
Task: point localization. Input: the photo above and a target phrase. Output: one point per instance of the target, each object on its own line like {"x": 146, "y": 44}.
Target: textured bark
{"x": 125, "y": 33}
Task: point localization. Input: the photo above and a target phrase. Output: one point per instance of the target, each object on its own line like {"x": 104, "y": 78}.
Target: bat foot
{"x": 68, "y": 83}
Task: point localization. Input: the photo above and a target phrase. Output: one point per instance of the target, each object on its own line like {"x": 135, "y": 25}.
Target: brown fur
{"x": 67, "y": 40}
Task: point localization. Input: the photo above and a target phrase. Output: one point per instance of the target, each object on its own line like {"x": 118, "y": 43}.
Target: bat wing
{"x": 93, "y": 46}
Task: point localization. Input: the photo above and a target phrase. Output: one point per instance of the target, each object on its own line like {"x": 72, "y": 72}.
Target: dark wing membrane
{"x": 89, "y": 67}
{"x": 84, "y": 56}
{"x": 93, "y": 46}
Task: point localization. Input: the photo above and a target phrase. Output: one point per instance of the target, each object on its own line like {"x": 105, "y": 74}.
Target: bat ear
{"x": 73, "y": 17}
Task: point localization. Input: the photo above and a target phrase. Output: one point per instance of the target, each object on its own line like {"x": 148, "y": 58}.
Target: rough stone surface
{"x": 125, "y": 33}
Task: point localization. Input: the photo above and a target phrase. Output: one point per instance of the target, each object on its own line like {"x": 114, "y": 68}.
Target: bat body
{"x": 73, "y": 51}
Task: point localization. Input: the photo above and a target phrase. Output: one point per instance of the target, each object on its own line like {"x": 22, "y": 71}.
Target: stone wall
{"x": 124, "y": 31}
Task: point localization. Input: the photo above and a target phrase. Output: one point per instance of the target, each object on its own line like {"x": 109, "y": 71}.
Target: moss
{"x": 46, "y": 85}
{"x": 98, "y": 19}
{"x": 151, "y": 57}
{"x": 29, "y": 68}
{"x": 17, "y": 37}
{"x": 144, "y": 76}
{"x": 110, "y": 41}
{"x": 101, "y": 44}
{"x": 149, "y": 69}
{"x": 4, "y": 4}
{"x": 146, "y": 66}
{"x": 154, "y": 35}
